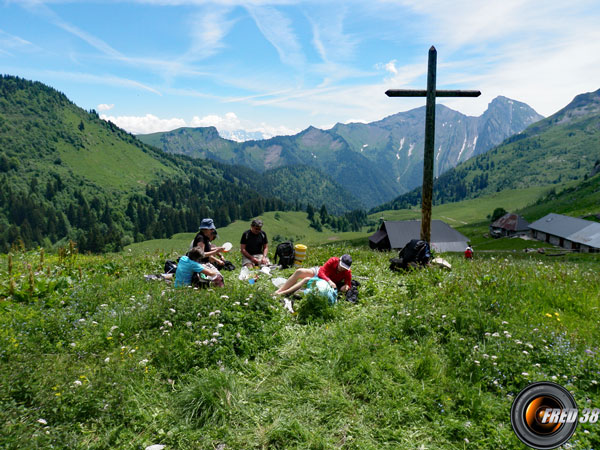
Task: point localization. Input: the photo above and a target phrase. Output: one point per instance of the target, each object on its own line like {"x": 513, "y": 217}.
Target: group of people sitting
{"x": 203, "y": 258}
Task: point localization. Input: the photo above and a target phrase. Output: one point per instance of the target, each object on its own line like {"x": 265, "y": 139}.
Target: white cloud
{"x": 105, "y": 107}
{"x": 277, "y": 29}
{"x": 145, "y": 124}
{"x": 228, "y": 123}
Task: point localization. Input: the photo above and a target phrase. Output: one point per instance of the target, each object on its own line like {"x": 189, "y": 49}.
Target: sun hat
{"x": 207, "y": 224}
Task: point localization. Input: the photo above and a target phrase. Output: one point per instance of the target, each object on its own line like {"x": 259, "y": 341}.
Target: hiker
{"x": 255, "y": 246}
{"x": 206, "y": 234}
{"x": 190, "y": 265}
{"x": 336, "y": 272}
{"x": 469, "y": 253}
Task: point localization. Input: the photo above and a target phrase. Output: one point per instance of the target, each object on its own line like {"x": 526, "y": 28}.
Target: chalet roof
{"x": 511, "y": 222}
{"x": 443, "y": 237}
{"x": 571, "y": 228}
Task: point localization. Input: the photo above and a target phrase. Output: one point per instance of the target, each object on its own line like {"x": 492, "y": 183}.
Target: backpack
{"x": 285, "y": 254}
{"x": 170, "y": 266}
{"x": 415, "y": 253}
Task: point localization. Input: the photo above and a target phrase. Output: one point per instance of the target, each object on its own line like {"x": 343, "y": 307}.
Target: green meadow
{"x": 92, "y": 356}
{"x": 468, "y": 216}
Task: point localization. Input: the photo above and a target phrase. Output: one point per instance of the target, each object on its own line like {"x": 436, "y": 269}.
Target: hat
{"x": 207, "y": 224}
{"x": 346, "y": 262}
{"x": 257, "y": 223}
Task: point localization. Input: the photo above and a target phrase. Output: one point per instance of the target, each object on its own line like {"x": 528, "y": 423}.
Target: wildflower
{"x": 42, "y": 421}
{"x": 216, "y": 333}
{"x": 476, "y": 362}
{"x": 504, "y": 322}
{"x": 77, "y": 383}
{"x": 94, "y": 322}
{"x": 485, "y": 355}
{"x": 113, "y": 328}
{"x": 224, "y": 296}
{"x": 73, "y": 344}
{"x": 220, "y": 325}
{"x": 466, "y": 440}
{"x": 496, "y": 334}
{"x": 238, "y": 335}
{"x": 167, "y": 323}
{"x": 488, "y": 334}
{"x": 188, "y": 324}
{"x": 236, "y": 303}
{"x": 525, "y": 374}
{"x": 107, "y": 360}
{"x": 172, "y": 310}
{"x": 525, "y": 352}
{"x": 594, "y": 382}
{"x": 143, "y": 362}
{"x": 537, "y": 365}
{"x": 443, "y": 316}
{"x": 548, "y": 315}
{"x": 103, "y": 305}
{"x": 81, "y": 320}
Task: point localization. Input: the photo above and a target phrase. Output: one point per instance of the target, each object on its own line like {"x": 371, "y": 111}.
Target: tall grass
{"x": 93, "y": 356}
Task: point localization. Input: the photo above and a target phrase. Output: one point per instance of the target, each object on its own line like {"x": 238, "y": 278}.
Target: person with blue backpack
{"x": 336, "y": 272}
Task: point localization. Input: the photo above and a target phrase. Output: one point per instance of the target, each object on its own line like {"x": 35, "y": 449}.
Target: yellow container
{"x": 299, "y": 254}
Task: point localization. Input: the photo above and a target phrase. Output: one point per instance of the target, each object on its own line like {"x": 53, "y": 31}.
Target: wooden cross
{"x": 430, "y": 93}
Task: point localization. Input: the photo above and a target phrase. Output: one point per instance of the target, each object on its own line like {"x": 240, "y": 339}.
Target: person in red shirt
{"x": 469, "y": 253}
{"x": 336, "y": 271}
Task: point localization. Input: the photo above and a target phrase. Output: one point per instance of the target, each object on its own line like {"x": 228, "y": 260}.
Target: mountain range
{"x": 375, "y": 161}
{"x": 561, "y": 148}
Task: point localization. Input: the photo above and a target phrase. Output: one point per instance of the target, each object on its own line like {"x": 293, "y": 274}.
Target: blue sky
{"x": 279, "y": 66}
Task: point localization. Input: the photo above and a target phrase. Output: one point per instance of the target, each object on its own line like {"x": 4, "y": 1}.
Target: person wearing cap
{"x": 336, "y": 271}
{"x": 255, "y": 245}
{"x": 206, "y": 234}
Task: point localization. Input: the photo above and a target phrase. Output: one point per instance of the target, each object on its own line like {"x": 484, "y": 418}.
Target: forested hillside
{"x": 67, "y": 174}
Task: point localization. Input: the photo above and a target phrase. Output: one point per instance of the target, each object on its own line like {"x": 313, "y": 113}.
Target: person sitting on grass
{"x": 336, "y": 271}
{"x": 254, "y": 246}
{"x": 189, "y": 265}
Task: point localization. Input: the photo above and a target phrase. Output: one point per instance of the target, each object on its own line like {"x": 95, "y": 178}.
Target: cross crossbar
{"x": 423, "y": 93}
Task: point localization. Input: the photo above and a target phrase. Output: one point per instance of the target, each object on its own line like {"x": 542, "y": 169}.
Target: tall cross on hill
{"x": 430, "y": 93}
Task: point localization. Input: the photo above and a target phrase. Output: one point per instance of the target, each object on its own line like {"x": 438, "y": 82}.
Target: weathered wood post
{"x": 431, "y": 93}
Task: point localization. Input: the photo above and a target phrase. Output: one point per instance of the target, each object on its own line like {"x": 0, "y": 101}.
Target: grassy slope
{"x": 294, "y": 225}
{"x": 430, "y": 359}
{"x": 108, "y": 162}
{"x": 290, "y": 226}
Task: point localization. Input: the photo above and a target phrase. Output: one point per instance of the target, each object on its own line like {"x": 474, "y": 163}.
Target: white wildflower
{"x": 220, "y": 325}
{"x": 42, "y": 421}
{"x": 224, "y": 296}
{"x": 143, "y": 362}
{"x": 107, "y": 360}
{"x": 525, "y": 374}
{"x": 496, "y": 334}
{"x": 172, "y": 310}
{"x": 525, "y": 352}
{"x": 188, "y": 324}
{"x": 476, "y": 362}
{"x": 77, "y": 383}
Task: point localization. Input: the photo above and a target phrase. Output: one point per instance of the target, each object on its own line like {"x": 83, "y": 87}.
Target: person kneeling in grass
{"x": 188, "y": 265}
{"x": 336, "y": 271}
